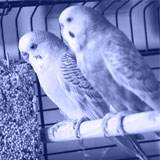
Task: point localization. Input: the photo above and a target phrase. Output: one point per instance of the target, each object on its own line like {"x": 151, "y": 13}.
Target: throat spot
{"x": 38, "y": 57}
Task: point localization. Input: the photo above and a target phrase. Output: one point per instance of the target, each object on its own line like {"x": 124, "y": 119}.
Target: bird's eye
{"x": 69, "y": 19}
{"x": 33, "y": 46}
{"x": 71, "y": 34}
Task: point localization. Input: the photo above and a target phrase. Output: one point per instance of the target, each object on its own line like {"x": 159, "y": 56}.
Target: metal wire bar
{"x": 150, "y": 141}
{"x": 130, "y": 18}
{"x": 49, "y": 124}
{"x": 68, "y": 5}
{"x": 84, "y": 3}
{"x": 2, "y": 33}
{"x": 31, "y": 19}
{"x": 158, "y": 15}
{"x": 15, "y": 4}
{"x": 154, "y": 155}
{"x": 150, "y": 52}
{"x": 46, "y": 17}
{"x": 6, "y": 9}
{"x": 50, "y": 109}
{"x": 150, "y": 156}
{"x": 145, "y": 25}
{"x": 101, "y": 147}
{"x": 108, "y": 6}
{"x": 16, "y": 24}
{"x": 155, "y": 68}
{"x": 43, "y": 95}
{"x": 97, "y": 4}
{"x": 41, "y": 114}
{"x": 78, "y": 150}
{"x": 117, "y": 10}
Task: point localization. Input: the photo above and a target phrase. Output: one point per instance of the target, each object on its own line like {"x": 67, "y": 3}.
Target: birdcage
{"x": 138, "y": 19}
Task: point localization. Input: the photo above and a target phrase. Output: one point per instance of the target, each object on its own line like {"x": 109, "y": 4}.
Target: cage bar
{"x": 46, "y": 17}
{"x": 145, "y": 26}
{"x": 108, "y": 6}
{"x": 117, "y": 11}
{"x": 16, "y": 24}
{"x": 31, "y": 18}
{"x": 2, "y": 33}
{"x": 97, "y": 4}
{"x": 130, "y": 18}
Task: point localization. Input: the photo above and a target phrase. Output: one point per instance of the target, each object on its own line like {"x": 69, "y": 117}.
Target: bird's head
{"x": 39, "y": 45}
{"x": 40, "y": 48}
{"x": 76, "y": 23}
{"x": 29, "y": 45}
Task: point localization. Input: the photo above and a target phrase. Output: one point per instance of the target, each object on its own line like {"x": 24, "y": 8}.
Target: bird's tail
{"x": 131, "y": 146}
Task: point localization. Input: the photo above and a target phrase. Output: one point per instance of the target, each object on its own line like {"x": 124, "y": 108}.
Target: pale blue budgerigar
{"x": 109, "y": 61}
{"x": 63, "y": 82}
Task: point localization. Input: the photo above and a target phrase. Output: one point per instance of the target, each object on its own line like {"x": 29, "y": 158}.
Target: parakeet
{"x": 109, "y": 61}
{"x": 59, "y": 76}
{"x": 63, "y": 82}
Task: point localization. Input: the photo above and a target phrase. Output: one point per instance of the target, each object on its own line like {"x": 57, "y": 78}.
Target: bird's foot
{"x": 105, "y": 123}
{"x": 121, "y": 115}
{"x": 77, "y": 125}
{"x": 56, "y": 126}
{"x": 48, "y": 134}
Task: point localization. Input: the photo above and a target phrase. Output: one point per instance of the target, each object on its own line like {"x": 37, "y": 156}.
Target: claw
{"x": 78, "y": 124}
{"x": 105, "y": 123}
{"x": 78, "y": 135}
{"x": 59, "y": 124}
{"x": 121, "y": 115}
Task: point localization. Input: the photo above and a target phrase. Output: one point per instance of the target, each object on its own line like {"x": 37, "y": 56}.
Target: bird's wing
{"x": 79, "y": 89}
{"x": 129, "y": 69}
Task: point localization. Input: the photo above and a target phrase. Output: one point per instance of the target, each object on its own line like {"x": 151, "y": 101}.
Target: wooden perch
{"x": 132, "y": 124}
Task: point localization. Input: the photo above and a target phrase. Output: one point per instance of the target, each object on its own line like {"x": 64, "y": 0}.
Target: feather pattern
{"x": 77, "y": 87}
{"x": 129, "y": 69}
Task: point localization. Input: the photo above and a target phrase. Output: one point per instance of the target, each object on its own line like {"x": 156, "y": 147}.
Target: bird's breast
{"x": 50, "y": 81}
{"x": 51, "y": 86}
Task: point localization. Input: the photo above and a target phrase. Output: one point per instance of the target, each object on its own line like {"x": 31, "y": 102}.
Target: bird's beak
{"x": 61, "y": 26}
{"x": 25, "y": 56}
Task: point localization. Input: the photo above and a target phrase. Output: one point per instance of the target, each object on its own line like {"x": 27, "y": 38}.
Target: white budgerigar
{"x": 109, "y": 61}
{"x": 59, "y": 76}
{"x": 63, "y": 82}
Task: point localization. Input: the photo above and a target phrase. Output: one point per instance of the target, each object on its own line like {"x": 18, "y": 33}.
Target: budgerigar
{"x": 109, "y": 61}
{"x": 63, "y": 82}
{"x": 101, "y": 49}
